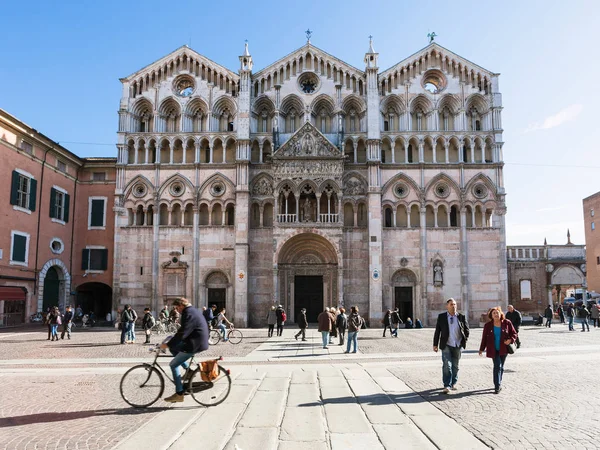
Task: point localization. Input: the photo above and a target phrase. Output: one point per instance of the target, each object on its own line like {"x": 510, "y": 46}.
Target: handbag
{"x": 511, "y": 348}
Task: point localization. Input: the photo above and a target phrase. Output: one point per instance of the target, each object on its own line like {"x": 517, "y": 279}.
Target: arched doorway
{"x": 216, "y": 292}
{"x": 308, "y": 275}
{"x": 51, "y": 288}
{"x": 96, "y": 297}
{"x": 404, "y": 283}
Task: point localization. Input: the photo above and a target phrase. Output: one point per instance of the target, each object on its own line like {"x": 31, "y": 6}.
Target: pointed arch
{"x": 450, "y": 102}
{"x": 169, "y": 106}
{"x": 477, "y": 102}
{"x": 263, "y": 102}
{"x": 292, "y": 101}
{"x": 322, "y": 101}
{"x": 176, "y": 177}
{"x": 218, "y": 176}
{"x": 421, "y": 102}
{"x": 196, "y": 105}
{"x": 393, "y": 102}
{"x": 481, "y": 178}
{"x": 135, "y": 180}
{"x": 353, "y": 102}
{"x": 222, "y": 104}
{"x": 447, "y": 179}
{"x": 389, "y": 184}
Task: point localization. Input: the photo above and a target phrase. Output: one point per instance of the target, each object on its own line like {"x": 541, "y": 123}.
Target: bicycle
{"x": 142, "y": 385}
{"x": 164, "y": 327}
{"x": 234, "y": 336}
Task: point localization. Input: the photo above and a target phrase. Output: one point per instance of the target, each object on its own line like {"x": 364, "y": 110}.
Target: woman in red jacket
{"x": 497, "y": 334}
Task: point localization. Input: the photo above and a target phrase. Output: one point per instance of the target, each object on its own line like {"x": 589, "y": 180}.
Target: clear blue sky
{"x": 61, "y": 61}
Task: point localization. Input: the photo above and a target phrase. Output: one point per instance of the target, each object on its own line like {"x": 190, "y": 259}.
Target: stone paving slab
{"x": 314, "y": 445}
{"x": 444, "y": 433}
{"x": 405, "y": 436}
{"x": 253, "y": 439}
{"x": 355, "y": 441}
{"x": 345, "y": 418}
{"x": 300, "y": 394}
{"x": 264, "y": 411}
{"x": 303, "y": 424}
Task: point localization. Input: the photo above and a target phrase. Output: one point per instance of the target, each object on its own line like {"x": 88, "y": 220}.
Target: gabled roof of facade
{"x": 307, "y": 143}
{"x": 438, "y": 48}
{"x": 181, "y": 51}
{"x": 308, "y": 47}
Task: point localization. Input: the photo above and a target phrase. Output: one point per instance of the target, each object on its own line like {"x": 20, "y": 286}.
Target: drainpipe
{"x": 37, "y": 239}
{"x": 73, "y": 225}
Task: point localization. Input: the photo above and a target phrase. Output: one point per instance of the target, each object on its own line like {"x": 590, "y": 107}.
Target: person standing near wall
{"x": 302, "y": 324}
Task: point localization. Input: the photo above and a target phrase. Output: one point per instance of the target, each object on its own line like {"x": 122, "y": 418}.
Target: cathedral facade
{"x": 311, "y": 183}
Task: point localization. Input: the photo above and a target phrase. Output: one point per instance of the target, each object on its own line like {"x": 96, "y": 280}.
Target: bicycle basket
{"x": 209, "y": 370}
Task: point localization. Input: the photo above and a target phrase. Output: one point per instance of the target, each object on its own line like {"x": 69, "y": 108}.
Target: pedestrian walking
{"x": 355, "y": 324}
{"x": 341, "y": 323}
{"x": 67, "y": 323}
{"x": 332, "y": 317}
{"x": 281, "y": 318}
{"x": 302, "y": 324}
{"x": 561, "y": 314}
{"x": 595, "y": 315}
{"x": 515, "y": 318}
{"x": 209, "y": 315}
{"x": 585, "y": 314}
{"x": 387, "y": 323}
{"x": 498, "y": 333}
{"x": 571, "y": 316}
{"x": 451, "y": 335}
{"x": 126, "y": 320}
{"x": 396, "y": 321}
{"x": 271, "y": 320}
{"x": 131, "y": 331}
{"x": 548, "y": 314}
{"x": 324, "y": 322}
{"x": 54, "y": 320}
{"x": 147, "y": 323}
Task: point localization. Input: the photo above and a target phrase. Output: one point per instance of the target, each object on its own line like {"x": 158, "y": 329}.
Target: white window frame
{"x": 64, "y": 192}
{"x": 90, "y": 227}
{"x": 62, "y": 246}
{"x": 20, "y": 208}
{"x": 527, "y": 280}
{"x": 93, "y": 247}
{"x": 592, "y": 212}
{"x": 12, "y": 247}
{"x": 593, "y": 226}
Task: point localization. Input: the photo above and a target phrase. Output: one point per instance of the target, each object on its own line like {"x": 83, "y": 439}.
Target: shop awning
{"x": 12, "y": 293}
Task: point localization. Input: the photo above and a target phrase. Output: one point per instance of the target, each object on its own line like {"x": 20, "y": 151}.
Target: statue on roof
{"x": 431, "y": 36}
{"x": 308, "y": 35}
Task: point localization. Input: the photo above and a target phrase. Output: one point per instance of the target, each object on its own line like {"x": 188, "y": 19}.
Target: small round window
{"x": 308, "y": 82}
{"x": 139, "y": 190}
{"x": 57, "y": 246}
{"x": 401, "y": 190}
{"x": 442, "y": 190}
{"x": 217, "y": 189}
{"x": 177, "y": 189}
{"x": 479, "y": 190}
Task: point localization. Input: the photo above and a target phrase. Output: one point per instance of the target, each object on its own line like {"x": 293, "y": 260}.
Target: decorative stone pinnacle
{"x": 371, "y": 49}
{"x": 246, "y": 52}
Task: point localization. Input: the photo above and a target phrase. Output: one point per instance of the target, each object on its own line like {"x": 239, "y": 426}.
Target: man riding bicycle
{"x": 192, "y": 337}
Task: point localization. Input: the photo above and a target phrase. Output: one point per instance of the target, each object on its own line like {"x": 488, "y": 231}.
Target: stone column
{"x": 156, "y": 304}
{"x": 423, "y": 257}
{"x": 464, "y": 264}
{"x": 196, "y": 259}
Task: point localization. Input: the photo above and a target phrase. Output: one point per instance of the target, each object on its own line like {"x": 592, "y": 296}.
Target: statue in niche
{"x": 306, "y": 209}
{"x": 438, "y": 274}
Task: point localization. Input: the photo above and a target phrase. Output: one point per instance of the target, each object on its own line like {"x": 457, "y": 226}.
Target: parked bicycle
{"x": 234, "y": 336}
{"x": 165, "y": 327}
{"x": 142, "y": 385}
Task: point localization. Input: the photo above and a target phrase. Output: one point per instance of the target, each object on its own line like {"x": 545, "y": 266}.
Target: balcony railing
{"x": 328, "y": 218}
{"x": 286, "y": 218}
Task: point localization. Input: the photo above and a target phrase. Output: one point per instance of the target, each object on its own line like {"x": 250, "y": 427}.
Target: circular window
{"x": 434, "y": 81}
{"x": 184, "y": 86}
{"x": 308, "y": 82}
{"x": 442, "y": 190}
{"x": 217, "y": 189}
{"x": 139, "y": 190}
{"x": 401, "y": 190}
{"x": 174, "y": 260}
{"x": 479, "y": 190}
{"x": 57, "y": 246}
{"x": 177, "y": 189}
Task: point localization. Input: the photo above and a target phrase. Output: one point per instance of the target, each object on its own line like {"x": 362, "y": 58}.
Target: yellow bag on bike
{"x": 209, "y": 370}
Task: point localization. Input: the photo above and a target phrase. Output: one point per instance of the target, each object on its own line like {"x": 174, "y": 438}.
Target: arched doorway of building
{"x": 308, "y": 275}
{"x": 51, "y": 288}
{"x": 404, "y": 283}
{"x": 216, "y": 292}
{"x": 96, "y": 297}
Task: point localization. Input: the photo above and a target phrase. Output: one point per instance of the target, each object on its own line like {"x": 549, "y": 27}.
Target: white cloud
{"x": 565, "y": 115}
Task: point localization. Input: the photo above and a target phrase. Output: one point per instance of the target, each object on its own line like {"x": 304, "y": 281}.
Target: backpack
{"x": 283, "y": 316}
{"x": 209, "y": 370}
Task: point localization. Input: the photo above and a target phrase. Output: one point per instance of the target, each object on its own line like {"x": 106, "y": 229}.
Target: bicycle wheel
{"x": 214, "y": 337}
{"x": 210, "y": 393}
{"x": 235, "y": 336}
{"x": 142, "y": 385}
{"x": 172, "y": 328}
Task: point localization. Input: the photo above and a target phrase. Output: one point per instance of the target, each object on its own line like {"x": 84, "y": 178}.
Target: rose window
{"x": 442, "y": 190}
{"x": 139, "y": 190}
{"x": 217, "y": 189}
{"x": 479, "y": 190}
{"x": 401, "y": 190}
{"x": 177, "y": 189}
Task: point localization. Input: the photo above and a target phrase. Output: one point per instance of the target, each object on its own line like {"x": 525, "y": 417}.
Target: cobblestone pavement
{"x": 379, "y": 398}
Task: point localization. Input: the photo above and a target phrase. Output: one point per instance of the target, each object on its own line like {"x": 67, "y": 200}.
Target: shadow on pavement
{"x": 48, "y": 417}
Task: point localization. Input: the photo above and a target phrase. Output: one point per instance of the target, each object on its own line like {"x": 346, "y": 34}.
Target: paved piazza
{"x": 295, "y": 395}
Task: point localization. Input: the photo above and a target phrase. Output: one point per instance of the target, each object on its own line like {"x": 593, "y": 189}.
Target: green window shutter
{"x": 66, "y": 207}
{"x": 19, "y": 247}
{"x": 32, "y": 194}
{"x": 104, "y": 259}
{"x": 97, "y": 213}
{"x": 52, "y": 203}
{"x": 85, "y": 259}
{"x": 14, "y": 188}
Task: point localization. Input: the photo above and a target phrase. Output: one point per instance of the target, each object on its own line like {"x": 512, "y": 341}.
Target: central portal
{"x": 308, "y": 294}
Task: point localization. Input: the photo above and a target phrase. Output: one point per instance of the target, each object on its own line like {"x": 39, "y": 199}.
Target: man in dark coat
{"x": 191, "y": 338}
{"x": 303, "y": 324}
{"x": 515, "y": 317}
{"x": 451, "y": 335}
{"x": 67, "y": 323}
{"x": 548, "y": 313}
